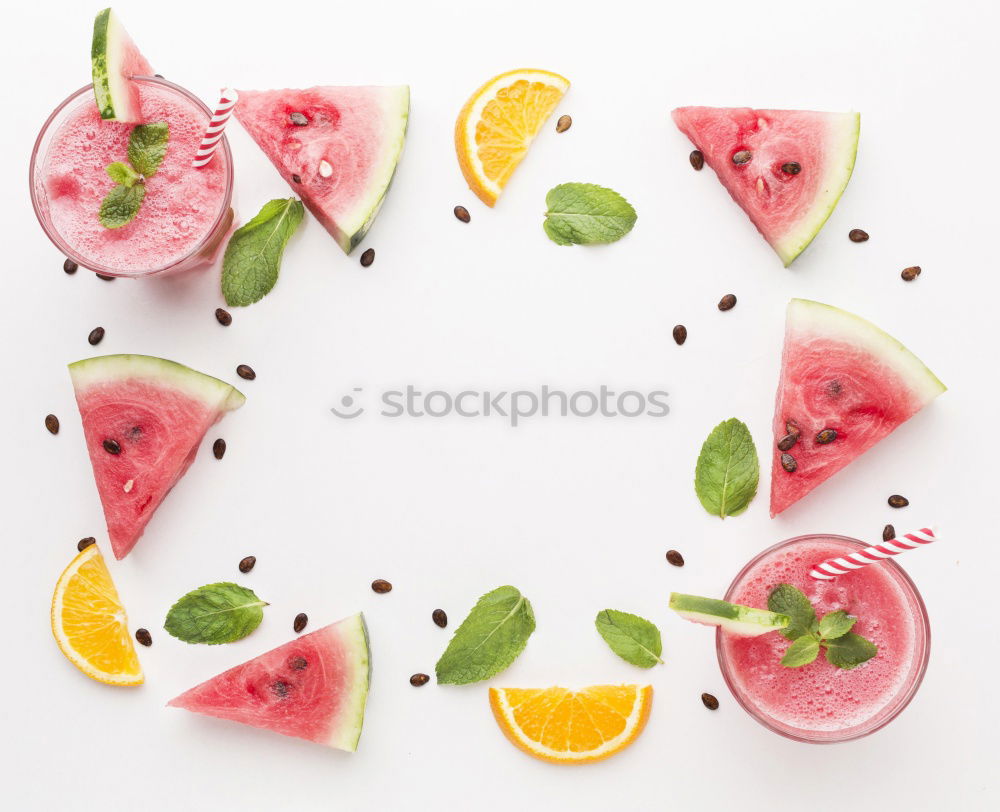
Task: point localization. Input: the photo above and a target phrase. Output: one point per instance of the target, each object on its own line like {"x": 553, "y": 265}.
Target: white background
{"x": 576, "y": 513}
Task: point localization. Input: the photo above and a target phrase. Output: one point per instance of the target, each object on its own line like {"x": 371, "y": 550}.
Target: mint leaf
{"x": 489, "y": 639}
{"x": 121, "y": 205}
{"x": 147, "y": 144}
{"x": 631, "y": 637}
{"x": 801, "y": 652}
{"x": 849, "y": 651}
{"x": 836, "y": 624}
{"x": 215, "y": 613}
{"x": 585, "y": 214}
{"x": 253, "y": 257}
{"x": 122, "y": 174}
{"x": 787, "y": 600}
{"x": 727, "y": 472}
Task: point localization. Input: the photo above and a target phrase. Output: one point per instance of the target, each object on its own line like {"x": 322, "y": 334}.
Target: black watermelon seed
{"x": 144, "y": 637}
{"x": 106, "y": 278}
{"x": 742, "y": 157}
{"x": 911, "y": 273}
{"x": 898, "y": 501}
{"x": 380, "y": 586}
{"x": 83, "y": 544}
{"x": 52, "y": 423}
{"x": 368, "y": 257}
{"x": 675, "y": 558}
{"x": 564, "y": 123}
{"x": 786, "y": 442}
{"x": 826, "y": 436}
{"x": 697, "y": 159}
{"x": 246, "y": 372}
{"x": 280, "y": 688}
{"x": 112, "y": 447}
{"x": 439, "y": 617}
{"x": 791, "y": 168}
{"x": 419, "y": 679}
{"x": 296, "y": 178}
{"x": 301, "y": 619}
{"x": 857, "y": 235}
{"x": 709, "y": 701}
{"x": 888, "y": 533}
{"x": 69, "y": 266}
{"x": 788, "y": 463}
{"x": 298, "y": 663}
{"x": 224, "y": 317}
{"x": 791, "y": 428}
{"x": 219, "y": 448}
{"x": 247, "y": 564}
{"x": 462, "y": 214}
{"x": 298, "y": 119}
{"x": 727, "y": 302}
{"x": 680, "y": 334}
{"x": 96, "y": 336}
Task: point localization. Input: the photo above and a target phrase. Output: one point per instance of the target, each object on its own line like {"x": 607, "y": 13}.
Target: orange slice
{"x": 572, "y": 727}
{"x": 89, "y": 622}
{"x": 498, "y": 124}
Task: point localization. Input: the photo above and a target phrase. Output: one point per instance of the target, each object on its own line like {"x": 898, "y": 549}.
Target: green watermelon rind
{"x": 354, "y": 634}
{"x": 105, "y": 369}
{"x": 354, "y": 227}
{"x": 805, "y": 316}
{"x": 842, "y": 152}
{"x": 105, "y": 57}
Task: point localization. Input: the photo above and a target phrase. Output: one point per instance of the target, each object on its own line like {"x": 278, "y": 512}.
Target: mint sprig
{"x": 147, "y": 145}
{"x": 727, "y": 472}
{"x": 215, "y": 613}
{"x": 633, "y": 638}
{"x": 586, "y": 214}
{"x": 252, "y": 260}
{"x": 844, "y": 648}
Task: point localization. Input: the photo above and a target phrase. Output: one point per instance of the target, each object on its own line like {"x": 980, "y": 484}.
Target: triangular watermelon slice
{"x": 337, "y": 147}
{"x": 314, "y": 687}
{"x": 143, "y": 419}
{"x": 786, "y": 168}
{"x": 839, "y": 374}
{"x": 114, "y": 61}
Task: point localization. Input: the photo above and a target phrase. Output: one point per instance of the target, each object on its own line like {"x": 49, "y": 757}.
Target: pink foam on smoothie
{"x": 181, "y": 206}
{"x": 819, "y": 696}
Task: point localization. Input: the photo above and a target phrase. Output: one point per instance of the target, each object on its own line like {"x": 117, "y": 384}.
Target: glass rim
{"x": 57, "y": 239}
{"x": 898, "y": 703}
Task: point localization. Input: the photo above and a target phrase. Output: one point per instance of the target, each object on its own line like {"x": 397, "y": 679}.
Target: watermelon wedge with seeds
{"x": 337, "y": 147}
{"x": 155, "y": 413}
{"x": 314, "y": 687}
{"x": 785, "y": 168}
{"x": 839, "y": 372}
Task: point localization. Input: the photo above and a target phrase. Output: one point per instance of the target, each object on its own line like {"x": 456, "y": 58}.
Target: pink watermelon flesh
{"x": 314, "y": 687}
{"x": 342, "y": 160}
{"x": 839, "y": 372}
{"x": 788, "y": 209}
{"x": 157, "y": 412}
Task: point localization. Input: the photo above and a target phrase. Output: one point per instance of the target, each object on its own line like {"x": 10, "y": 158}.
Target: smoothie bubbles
{"x": 183, "y": 213}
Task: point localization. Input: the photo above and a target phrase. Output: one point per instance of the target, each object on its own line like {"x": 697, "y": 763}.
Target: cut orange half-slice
{"x": 572, "y": 727}
{"x": 89, "y": 622}
{"x": 498, "y": 123}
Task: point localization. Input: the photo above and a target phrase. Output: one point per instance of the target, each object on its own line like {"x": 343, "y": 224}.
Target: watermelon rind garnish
{"x": 743, "y": 621}
{"x": 143, "y": 421}
{"x": 115, "y": 60}
{"x": 314, "y": 687}
{"x": 341, "y": 156}
{"x": 788, "y": 207}
{"x": 845, "y": 384}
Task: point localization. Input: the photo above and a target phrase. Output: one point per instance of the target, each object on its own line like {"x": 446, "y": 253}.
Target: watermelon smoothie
{"x": 819, "y": 702}
{"x": 186, "y": 212}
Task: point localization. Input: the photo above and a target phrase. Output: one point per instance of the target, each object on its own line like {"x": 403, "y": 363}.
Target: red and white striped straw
{"x": 832, "y": 567}
{"x": 210, "y": 140}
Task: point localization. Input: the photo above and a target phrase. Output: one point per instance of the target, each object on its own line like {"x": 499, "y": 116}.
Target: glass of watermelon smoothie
{"x": 820, "y": 703}
{"x": 186, "y": 213}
